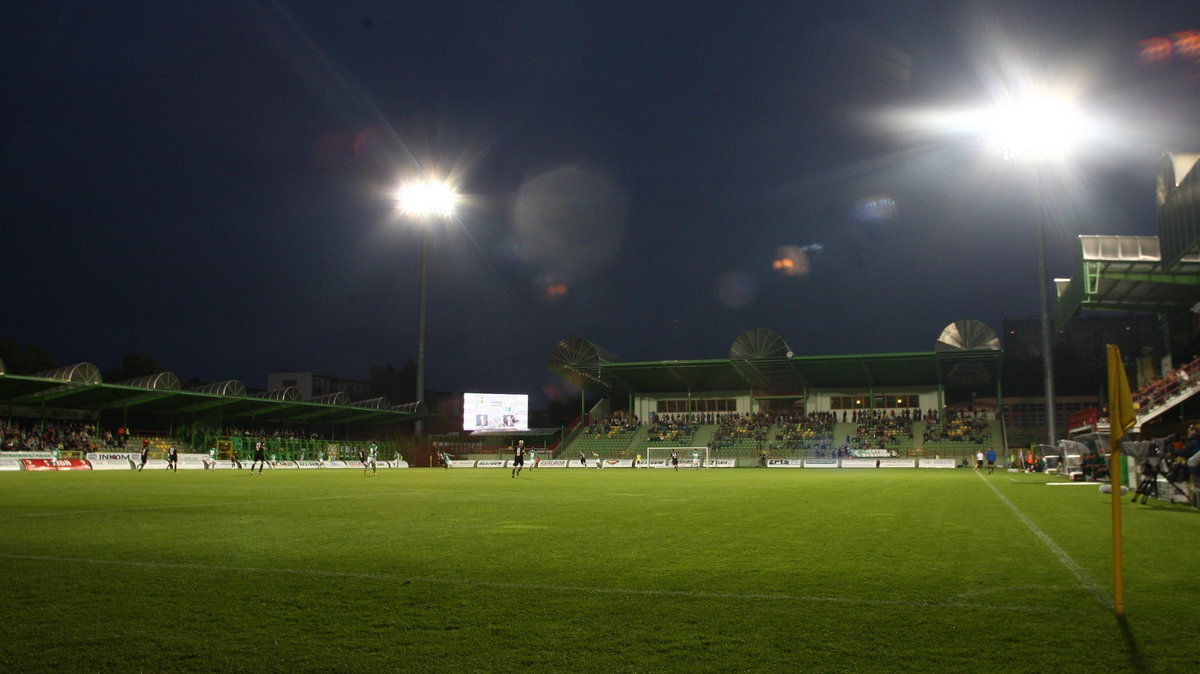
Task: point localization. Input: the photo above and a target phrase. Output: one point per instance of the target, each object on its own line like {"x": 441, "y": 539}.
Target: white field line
{"x": 1082, "y": 576}
{"x": 954, "y": 602}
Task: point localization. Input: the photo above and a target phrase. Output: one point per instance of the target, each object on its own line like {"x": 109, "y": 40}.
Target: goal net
{"x": 689, "y": 457}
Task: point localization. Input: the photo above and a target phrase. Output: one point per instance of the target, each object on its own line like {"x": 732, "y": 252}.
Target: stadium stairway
{"x": 704, "y": 435}
{"x": 843, "y": 430}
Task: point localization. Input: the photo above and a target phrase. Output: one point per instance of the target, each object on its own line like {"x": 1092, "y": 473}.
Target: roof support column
{"x": 1164, "y": 329}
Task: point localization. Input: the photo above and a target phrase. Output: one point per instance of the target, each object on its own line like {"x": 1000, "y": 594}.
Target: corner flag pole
{"x": 1121, "y": 417}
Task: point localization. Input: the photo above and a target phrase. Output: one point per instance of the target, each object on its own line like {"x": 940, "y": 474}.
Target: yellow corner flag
{"x": 1121, "y": 414}
{"x": 1121, "y": 418}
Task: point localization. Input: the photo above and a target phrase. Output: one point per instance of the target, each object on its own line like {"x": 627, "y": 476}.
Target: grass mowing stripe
{"x": 176, "y": 506}
{"x": 1084, "y": 579}
{"x": 533, "y": 586}
{"x": 222, "y": 504}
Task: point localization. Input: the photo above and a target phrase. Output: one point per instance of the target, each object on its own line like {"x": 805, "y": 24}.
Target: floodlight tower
{"x": 422, "y": 201}
{"x": 1042, "y": 129}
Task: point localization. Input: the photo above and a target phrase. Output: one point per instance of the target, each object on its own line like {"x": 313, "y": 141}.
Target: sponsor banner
{"x": 552, "y": 463}
{"x": 56, "y": 464}
{"x": 617, "y": 463}
{"x": 575, "y": 463}
{"x": 882, "y": 463}
{"x": 29, "y": 455}
{"x": 193, "y": 461}
{"x": 112, "y": 456}
{"x": 723, "y": 463}
{"x": 937, "y": 463}
{"x": 399, "y": 464}
{"x": 38, "y": 464}
{"x": 341, "y": 464}
{"x": 111, "y": 464}
{"x": 309, "y": 464}
{"x": 820, "y": 463}
{"x": 283, "y": 464}
{"x": 7, "y": 463}
{"x": 490, "y": 463}
{"x": 462, "y": 463}
{"x": 785, "y": 463}
{"x": 222, "y": 464}
{"x": 153, "y": 464}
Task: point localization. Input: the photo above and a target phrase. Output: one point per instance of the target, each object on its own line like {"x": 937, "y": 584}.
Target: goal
{"x": 689, "y": 457}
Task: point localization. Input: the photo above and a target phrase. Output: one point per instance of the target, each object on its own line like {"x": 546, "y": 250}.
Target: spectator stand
{"x": 610, "y": 438}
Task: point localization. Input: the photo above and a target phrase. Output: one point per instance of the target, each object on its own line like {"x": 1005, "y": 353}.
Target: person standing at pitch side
{"x": 991, "y": 460}
{"x": 259, "y": 457}
{"x": 518, "y": 458}
{"x": 372, "y": 459}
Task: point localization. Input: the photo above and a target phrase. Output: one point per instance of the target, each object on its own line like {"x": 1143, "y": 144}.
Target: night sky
{"x": 212, "y": 183}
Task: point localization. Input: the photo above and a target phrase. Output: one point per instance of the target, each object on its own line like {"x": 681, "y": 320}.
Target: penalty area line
{"x": 687, "y": 594}
{"x": 1082, "y": 576}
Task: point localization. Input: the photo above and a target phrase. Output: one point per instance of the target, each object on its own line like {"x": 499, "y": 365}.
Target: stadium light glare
{"x": 1036, "y": 127}
{"x": 427, "y": 197}
{"x": 422, "y": 199}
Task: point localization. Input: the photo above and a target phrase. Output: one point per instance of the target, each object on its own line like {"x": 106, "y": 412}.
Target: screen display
{"x": 495, "y": 412}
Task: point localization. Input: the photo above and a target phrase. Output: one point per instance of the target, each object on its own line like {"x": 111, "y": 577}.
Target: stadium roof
{"x": 1158, "y": 274}
{"x": 762, "y": 363}
{"x": 79, "y": 387}
{"x": 1125, "y": 273}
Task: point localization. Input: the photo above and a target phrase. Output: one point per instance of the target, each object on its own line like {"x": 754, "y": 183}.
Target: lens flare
{"x": 736, "y": 289}
{"x": 791, "y": 261}
{"x": 570, "y": 221}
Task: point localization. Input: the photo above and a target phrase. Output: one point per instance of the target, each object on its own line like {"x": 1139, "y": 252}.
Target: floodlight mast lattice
{"x": 423, "y": 200}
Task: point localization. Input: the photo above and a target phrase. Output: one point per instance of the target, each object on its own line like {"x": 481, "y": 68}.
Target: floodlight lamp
{"x": 1037, "y": 127}
{"x": 428, "y": 198}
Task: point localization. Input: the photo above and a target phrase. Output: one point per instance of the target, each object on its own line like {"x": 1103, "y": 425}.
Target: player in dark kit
{"x": 145, "y": 454}
{"x": 259, "y": 458}
{"x": 518, "y": 458}
{"x": 173, "y": 459}
{"x": 675, "y": 460}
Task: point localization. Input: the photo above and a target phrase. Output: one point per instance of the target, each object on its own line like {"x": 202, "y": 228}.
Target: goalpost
{"x": 689, "y": 457}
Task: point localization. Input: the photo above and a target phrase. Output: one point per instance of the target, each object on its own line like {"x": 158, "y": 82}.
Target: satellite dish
{"x": 578, "y": 353}
{"x": 967, "y": 335}
{"x": 759, "y": 343}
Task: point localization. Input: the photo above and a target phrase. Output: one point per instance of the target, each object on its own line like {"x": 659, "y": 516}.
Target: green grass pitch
{"x": 569, "y": 570}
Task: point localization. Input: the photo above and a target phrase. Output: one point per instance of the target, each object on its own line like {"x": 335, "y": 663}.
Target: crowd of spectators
{"x": 263, "y": 433}
{"x": 962, "y": 425}
{"x": 675, "y": 429}
{"x": 617, "y": 424}
{"x": 741, "y": 430}
{"x": 813, "y": 431}
{"x": 879, "y": 428}
{"x": 1158, "y": 390}
{"x": 52, "y": 437}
